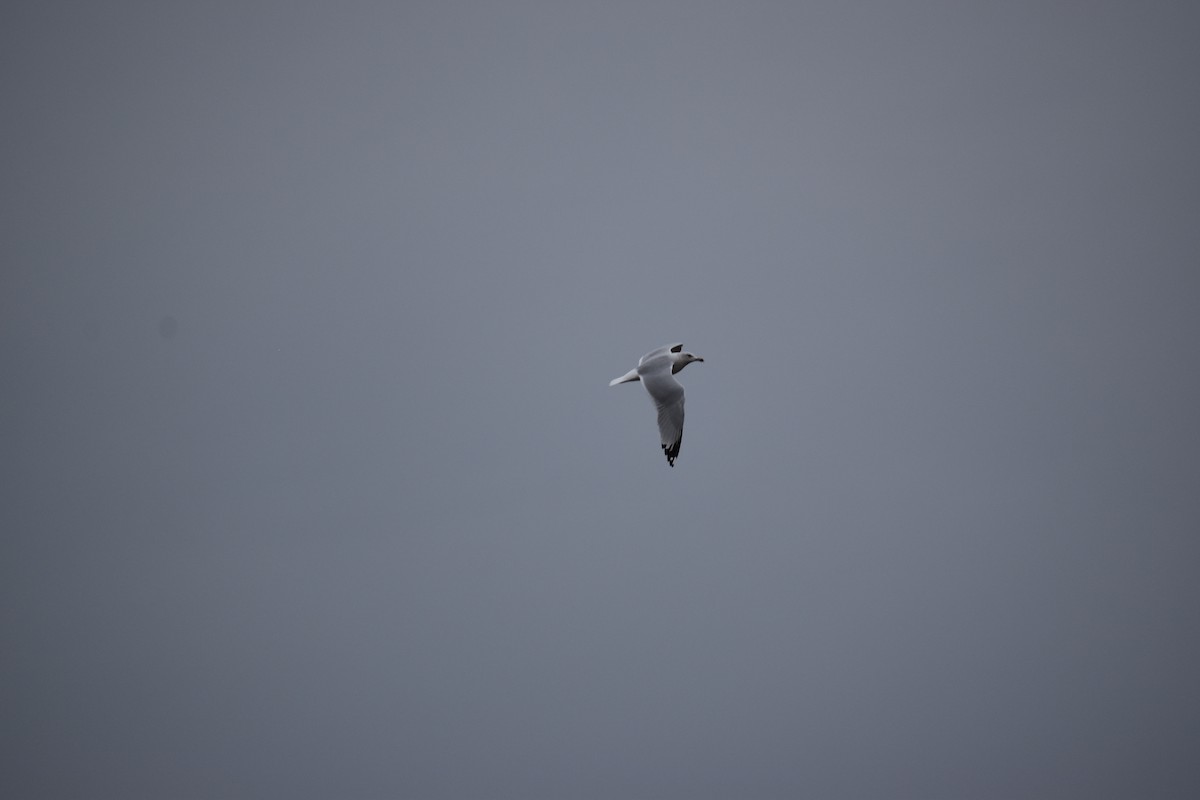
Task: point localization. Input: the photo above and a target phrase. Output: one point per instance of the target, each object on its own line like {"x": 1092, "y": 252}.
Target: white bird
{"x": 656, "y": 370}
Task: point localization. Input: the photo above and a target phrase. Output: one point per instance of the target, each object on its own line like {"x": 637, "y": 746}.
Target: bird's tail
{"x": 626, "y": 378}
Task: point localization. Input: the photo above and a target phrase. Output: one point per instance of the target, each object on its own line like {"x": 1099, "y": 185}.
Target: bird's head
{"x": 682, "y": 360}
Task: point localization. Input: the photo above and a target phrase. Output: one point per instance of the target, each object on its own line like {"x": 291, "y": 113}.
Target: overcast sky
{"x": 313, "y": 486}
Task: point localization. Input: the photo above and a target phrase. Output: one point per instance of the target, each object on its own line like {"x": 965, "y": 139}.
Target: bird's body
{"x": 656, "y": 370}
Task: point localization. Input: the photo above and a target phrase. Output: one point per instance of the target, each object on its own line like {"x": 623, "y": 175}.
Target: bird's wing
{"x": 660, "y": 351}
{"x": 667, "y": 394}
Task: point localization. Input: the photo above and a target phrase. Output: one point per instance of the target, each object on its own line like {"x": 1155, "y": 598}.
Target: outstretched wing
{"x": 667, "y": 394}
{"x": 660, "y": 351}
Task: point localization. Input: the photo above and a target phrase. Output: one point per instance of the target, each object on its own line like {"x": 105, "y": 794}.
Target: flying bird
{"x": 656, "y": 370}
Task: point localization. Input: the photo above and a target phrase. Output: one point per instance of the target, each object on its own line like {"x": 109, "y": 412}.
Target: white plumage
{"x": 656, "y": 370}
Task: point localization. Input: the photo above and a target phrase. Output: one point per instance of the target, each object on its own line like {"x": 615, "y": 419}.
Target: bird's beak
{"x": 701, "y": 360}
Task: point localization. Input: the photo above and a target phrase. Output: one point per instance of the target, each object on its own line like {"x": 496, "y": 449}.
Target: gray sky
{"x": 313, "y": 485}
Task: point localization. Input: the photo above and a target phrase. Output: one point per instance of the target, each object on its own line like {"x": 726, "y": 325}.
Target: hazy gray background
{"x": 313, "y": 485}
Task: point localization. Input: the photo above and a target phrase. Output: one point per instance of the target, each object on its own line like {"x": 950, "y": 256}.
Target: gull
{"x": 656, "y": 370}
